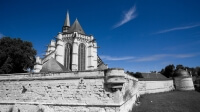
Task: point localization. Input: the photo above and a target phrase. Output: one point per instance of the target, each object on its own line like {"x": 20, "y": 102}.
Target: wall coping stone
{"x": 54, "y": 76}
{"x": 115, "y": 69}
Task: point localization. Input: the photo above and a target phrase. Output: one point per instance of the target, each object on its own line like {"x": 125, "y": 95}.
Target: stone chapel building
{"x": 73, "y": 50}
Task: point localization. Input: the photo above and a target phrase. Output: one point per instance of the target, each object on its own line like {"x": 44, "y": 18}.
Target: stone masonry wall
{"x": 130, "y": 95}
{"x": 76, "y": 91}
{"x": 62, "y": 92}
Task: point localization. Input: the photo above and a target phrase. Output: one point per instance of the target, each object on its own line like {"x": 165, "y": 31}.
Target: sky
{"x": 137, "y": 35}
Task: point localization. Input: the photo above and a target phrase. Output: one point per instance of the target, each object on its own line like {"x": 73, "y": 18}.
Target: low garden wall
{"x": 151, "y": 86}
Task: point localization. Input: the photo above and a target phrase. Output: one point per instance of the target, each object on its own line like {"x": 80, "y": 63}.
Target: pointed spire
{"x": 67, "y": 21}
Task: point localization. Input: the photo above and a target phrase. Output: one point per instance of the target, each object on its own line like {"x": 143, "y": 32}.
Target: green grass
{"x": 175, "y": 101}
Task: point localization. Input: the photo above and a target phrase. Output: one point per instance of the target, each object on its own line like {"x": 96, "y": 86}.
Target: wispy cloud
{"x": 110, "y": 58}
{"x": 162, "y": 56}
{"x": 152, "y": 58}
{"x": 129, "y": 15}
{"x": 178, "y": 28}
{"x": 185, "y": 55}
{"x": 148, "y": 58}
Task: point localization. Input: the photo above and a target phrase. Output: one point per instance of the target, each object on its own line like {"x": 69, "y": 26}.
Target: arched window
{"x": 81, "y": 57}
{"x": 68, "y": 56}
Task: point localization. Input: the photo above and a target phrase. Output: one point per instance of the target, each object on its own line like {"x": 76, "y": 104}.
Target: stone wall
{"x": 130, "y": 96}
{"x": 146, "y": 87}
{"x": 55, "y": 108}
{"x": 65, "y": 92}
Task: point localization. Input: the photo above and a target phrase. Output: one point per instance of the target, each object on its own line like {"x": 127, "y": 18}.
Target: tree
{"x": 169, "y": 71}
{"x": 191, "y": 71}
{"x": 16, "y": 55}
{"x": 197, "y": 70}
{"x": 162, "y": 71}
{"x": 179, "y": 67}
{"x": 136, "y": 75}
{"x": 131, "y": 73}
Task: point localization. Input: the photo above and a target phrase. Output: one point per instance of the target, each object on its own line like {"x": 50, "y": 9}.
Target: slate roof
{"x": 53, "y": 66}
{"x": 153, "y": 75}
{"x": 76, "y": 27}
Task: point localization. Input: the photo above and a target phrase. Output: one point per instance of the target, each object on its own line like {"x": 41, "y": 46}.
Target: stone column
{"x": 89, "y": 57}
{"x": 38, "y": 65}
{"x": 52, "y": 46}
{"x": 94, "y": 51}
{"x": 75, "y": 56}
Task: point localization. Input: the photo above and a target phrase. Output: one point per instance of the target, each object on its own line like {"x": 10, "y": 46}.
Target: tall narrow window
{"x": 68, "y": 56}
{"x": 81, "y": 57}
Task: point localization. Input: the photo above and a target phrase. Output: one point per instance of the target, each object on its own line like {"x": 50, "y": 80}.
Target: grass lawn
{"x": 175, "y": 101}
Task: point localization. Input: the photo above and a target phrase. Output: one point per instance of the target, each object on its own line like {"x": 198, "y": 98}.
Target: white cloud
{"x": 162, "y": 56}
{"x": 178, "y": 28}
{"x": 152, "y": 58}
{"x": 104, "y": 57}
{"x": 148, "y": 58}
{"x": 129, "y": 15}
{"x": 185, "y": 55}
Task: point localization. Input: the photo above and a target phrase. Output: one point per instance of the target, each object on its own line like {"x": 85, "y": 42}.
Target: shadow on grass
{"x": 174, "y": 101}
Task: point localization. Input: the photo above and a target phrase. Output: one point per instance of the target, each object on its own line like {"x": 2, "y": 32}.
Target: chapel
{"x": 73, "y": 50}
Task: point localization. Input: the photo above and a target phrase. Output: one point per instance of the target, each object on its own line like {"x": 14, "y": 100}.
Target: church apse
{"x": 73, "y": 50}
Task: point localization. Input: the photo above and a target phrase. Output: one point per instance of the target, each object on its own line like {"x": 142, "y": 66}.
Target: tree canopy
{"x": 16, "y": 55}
{"x": 169, "y": 70}
{"x": 136, "y": 75}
